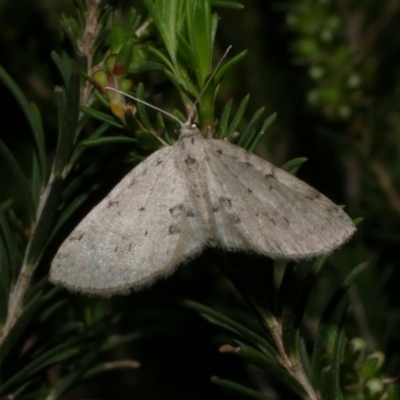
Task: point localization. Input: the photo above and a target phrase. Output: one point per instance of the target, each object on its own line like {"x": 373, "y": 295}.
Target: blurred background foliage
{"x": 330, "y": 71}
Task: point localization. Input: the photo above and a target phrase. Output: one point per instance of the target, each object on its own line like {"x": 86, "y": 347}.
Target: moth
{"x": 197, "y": 193}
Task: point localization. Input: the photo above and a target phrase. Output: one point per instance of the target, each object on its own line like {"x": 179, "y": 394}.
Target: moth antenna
{"x": 211, "y": 76}
{"x": 145, "y": 103}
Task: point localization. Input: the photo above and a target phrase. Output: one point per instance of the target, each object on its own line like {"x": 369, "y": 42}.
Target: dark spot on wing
{"x": 271, "y": 174}
{"x": 234, "y": 218}
{"x": 111, "y": 203}
{"x": 142, "y": 208}
{"x": 313, "y": 194}
{"x": 278, "y": 220}
{"x": 189, "y": 160}
{"x": 249, "y": 191}
{"x": 215, "y": 209}
{"x": 192, "y": 140}
{"x": 333, "y": 208}
{"x": 158, "y": 162}
{"x": 174, "y": 229}
{"x": 227, "y": 203}
{"x": 116, "y": 249}
{"x": 219, "y": 151}
{"x": 145, "y": 233}
{"x": 190, "y": 213}
{"x": 247, "y": 164}
{"x": 130, "y": 247}
{"x": 176, "y": 210}
{"x": 78, "y": 237}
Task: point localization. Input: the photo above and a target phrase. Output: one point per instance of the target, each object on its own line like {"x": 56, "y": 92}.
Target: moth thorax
{"x": 189, "y": 129}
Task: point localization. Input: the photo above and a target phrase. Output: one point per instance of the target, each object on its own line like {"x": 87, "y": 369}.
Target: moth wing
{"x": 259, "y": 207}
{"x": 139, "y": 232}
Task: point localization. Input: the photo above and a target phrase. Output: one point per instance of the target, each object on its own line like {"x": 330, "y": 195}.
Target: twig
{"x": 17, "y": 293}
{"x": 373, "y": 32}
{"x": 385, "y": 181}
{"x": 383, "y": 176}
{"x": 294, "y": 369}
{"x": 86, "y": 44}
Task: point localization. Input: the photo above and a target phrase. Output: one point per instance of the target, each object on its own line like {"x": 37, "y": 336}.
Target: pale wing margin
{"x": 261, "y": 208}
{"x": 138, "y": 233}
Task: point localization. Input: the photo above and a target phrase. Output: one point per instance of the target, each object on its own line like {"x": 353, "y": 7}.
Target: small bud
{"x": 354, "y": 351}
{"x": 316, "y": 72}
{"x": 117, "y": 108}
{"x": 372, "y": 364}
{"x": 110, "y": 62}
{"x": 326, "y": 35}
{"x": 353, "y": 81}
{"x": 373, "y": 389}
{"x": 226, "y": 348}
{"x": 100, "y": 77}
{"x": 126, "y": 85}
{"x": 344, "y": 112}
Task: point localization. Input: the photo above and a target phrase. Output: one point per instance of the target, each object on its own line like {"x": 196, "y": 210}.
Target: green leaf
{"x": 247, "y": 136}
{"x": 5, "y": 267}
{"x": 238, "y": 117}
{"x": 101, "y": 130}
{"x": 138, "y": 68}
{"x": 330, "y": 386}
{"x": 221, "y": 320}
{"x": 118, "y": 341}
{"x": 9, "y": 239}
{"x": 45, "y": 222}
{"x": 32, "y": 115}
{"x": 357, "y": 221}
{"x": 55, "y": 355}
{"x": 198, "y": 19}
{"x": 117, "y": 38}
{"x": 304, "y": 359}
{"x": 68, "y": 212}
{"x": 141, "y": 108}
{"x": 61, "y": 101}
{"x": 233, "y": 5}
{"x": 36, "y": 181}
{"x": 224, "y": 120}
{"x": 186, "y": 51}
{"x": 270, "y": 366}
{"x": 101, "y": 116}
{"x": 123, "y": 59}
{"x": 163, "y": 15}
{"x": 318, "y": 264}
{"x": 19, "y": 180}
{"x": 236, "y": 387}
{"x": 293, "y": 166}
{"x": 162, "y": 57}
{"x": 228, "y": 65}
{"x": 266, "y": 125}
{"x": 325, "y": 322}
{"x": 74, "y": 376}
{"x": 24, "y": 318}
{"x": 288, "y": 299}
{"x": 69, "y": 126}
{"x": 106, "y": 140}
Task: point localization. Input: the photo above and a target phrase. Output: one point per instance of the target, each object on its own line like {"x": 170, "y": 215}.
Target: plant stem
{"x": 294, "y": 369}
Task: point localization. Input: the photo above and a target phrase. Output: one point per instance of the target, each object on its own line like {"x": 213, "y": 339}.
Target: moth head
{"x": 189, "y": 128}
